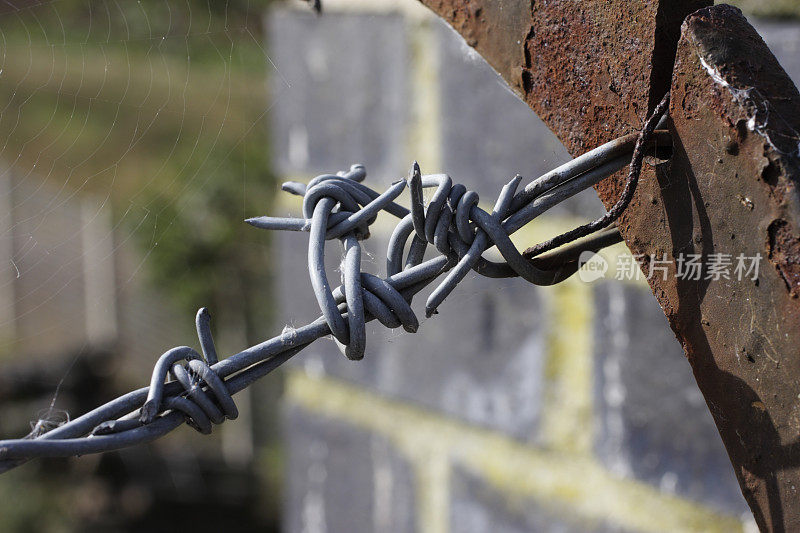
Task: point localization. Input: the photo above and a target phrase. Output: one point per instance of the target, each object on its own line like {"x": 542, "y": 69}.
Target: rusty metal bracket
{"x": 592, "y": 70}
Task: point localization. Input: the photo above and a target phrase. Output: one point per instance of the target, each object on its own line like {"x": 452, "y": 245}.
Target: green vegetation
{"x": 159, "y": 107}
{"x": 30, "y": 506}
{"x": 771, "y": 9}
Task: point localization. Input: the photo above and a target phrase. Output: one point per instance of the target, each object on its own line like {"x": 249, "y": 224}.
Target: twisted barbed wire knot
{"x": 205, "y": 400}
{"x": 339, "y": 206}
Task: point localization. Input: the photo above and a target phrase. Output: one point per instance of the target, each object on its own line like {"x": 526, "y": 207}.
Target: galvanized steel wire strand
{"x": 197, "y": 388}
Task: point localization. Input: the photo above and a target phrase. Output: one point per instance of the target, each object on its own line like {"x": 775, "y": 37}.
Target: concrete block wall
{"x": 516, "y": 408}
{"x": 58, "y": 273}
{"x": 68, "y": 279}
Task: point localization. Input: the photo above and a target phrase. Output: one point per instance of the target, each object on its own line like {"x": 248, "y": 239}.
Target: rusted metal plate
{"x": 592, "y": 70}
{"x": 731, "y": 188}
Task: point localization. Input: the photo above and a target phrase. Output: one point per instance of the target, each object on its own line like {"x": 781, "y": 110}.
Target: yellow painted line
{"x": 424, "y": 141}
{"x": 424, "y": 145}
{"x": 567, "y": 411}
{"x": 573, "y": 481}
{"x": 432, "y": 492}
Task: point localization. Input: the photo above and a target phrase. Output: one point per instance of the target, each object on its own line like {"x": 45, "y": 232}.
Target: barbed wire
{"x": 338, "y": 206}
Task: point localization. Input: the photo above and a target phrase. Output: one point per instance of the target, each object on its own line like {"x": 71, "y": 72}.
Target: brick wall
{"x": 516, "y": 408}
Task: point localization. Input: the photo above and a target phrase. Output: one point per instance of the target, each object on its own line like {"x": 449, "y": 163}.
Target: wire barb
{"x": 338, "y": 206}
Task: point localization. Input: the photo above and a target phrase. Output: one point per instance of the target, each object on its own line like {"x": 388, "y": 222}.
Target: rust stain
{"x": 784, "y": 254}
{"x": 729, "y": 189}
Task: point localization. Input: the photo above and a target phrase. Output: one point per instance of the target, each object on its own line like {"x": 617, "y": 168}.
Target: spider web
{"x": 132, "y": 144}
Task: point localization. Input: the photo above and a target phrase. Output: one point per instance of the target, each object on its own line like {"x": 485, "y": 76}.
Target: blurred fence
{"x": 567, "y": 408}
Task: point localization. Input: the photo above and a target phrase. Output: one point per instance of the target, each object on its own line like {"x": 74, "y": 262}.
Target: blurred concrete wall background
{"x": 77, "y": 328}
{"x": 67, "y": 283}
{"x": 516, "y": 408}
